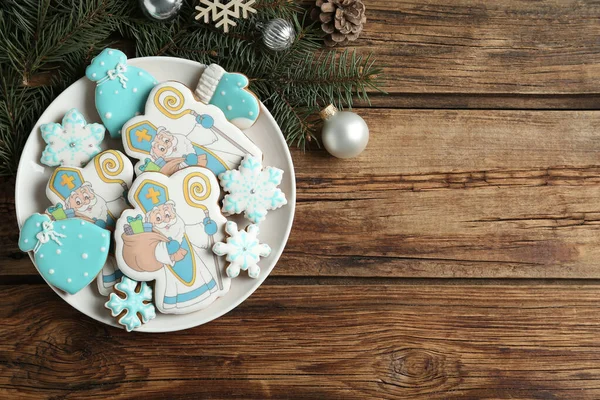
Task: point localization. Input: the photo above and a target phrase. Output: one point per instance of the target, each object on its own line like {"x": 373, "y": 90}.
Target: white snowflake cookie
{"x": 242, "y": 250}
{"x": 252, "y": 189}
{"x": 72, "y": 143}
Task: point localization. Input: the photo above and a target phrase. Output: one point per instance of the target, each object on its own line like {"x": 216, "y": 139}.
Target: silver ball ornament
{"x": 161, "y": 10}
{"x": 278, "y": 34}
{"x": 345, "y": 134}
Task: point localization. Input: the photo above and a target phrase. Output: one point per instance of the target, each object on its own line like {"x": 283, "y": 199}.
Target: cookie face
{"x": 229, "y": 92}
{"x": 97, "y": 194}
{"x": 177, "y": 131}
{"x": 121, "y": 89}
{"x": 168, "y": 237}
{"x": 69, "y": 253}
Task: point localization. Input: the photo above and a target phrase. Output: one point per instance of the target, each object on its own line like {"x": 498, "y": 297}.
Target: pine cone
{"x": 342, "y": 20}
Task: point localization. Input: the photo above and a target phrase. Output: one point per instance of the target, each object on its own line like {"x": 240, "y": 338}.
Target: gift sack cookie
{"x": 168, "y": 237}
{"x": 178, "y": 131}
{"x": 69, "y": 254}
{"x": 96, "y": 193}
{"x": 121, "y": 89}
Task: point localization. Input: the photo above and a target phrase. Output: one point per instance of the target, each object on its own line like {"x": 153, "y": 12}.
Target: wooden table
{"x": 459, "y": 256}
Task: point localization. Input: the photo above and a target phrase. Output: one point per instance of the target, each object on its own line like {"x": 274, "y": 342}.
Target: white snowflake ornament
{"x": 72, "y": 143}
{"x": 252, "y": 189}
{"x": 224, "y": 13}
{"x": 242, "y": 250}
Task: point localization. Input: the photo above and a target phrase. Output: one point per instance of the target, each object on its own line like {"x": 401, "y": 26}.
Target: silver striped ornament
{"x": 278, "y": 34}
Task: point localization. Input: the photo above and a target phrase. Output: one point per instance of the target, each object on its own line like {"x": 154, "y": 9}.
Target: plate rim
{"x": 291, "y": 197}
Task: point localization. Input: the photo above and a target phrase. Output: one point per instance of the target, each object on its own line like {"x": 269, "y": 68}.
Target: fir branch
{"x": 45, "y": 45}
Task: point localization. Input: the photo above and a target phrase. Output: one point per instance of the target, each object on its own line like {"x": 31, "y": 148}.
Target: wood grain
{"x": 452, "y": 194}
{"x": 492, "y": 47}
{"x": 419, "y": 269}
{"x": 354, "y": 342}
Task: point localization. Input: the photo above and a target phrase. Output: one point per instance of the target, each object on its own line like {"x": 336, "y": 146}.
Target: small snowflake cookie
{"x": 252, "y": 190}
{"x": 132, "y": 302}
{"x": 242, "y": 250}
{"x": 72, "y": 143}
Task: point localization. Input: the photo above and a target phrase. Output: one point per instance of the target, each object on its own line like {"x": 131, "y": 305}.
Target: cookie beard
{"x": 99, "y": 209}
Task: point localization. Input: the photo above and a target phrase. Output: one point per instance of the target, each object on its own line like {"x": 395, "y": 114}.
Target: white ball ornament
{"x": 345, "y": 134}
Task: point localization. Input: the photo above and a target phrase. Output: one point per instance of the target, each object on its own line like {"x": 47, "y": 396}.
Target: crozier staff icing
{"x": 168, "y": 237}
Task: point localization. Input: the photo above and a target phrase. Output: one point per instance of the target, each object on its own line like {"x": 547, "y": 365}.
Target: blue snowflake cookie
{"x": 137, "y": 305}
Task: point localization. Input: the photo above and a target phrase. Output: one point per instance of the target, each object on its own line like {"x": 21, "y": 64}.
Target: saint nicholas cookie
{"x": 97, "y": 194}
{"x": 177, "y": 131}
{"x": 168, "y": 237}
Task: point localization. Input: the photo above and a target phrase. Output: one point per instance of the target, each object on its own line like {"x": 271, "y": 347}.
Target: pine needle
{"x": 46, "y": 44}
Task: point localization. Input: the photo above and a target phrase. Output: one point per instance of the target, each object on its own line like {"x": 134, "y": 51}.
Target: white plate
{"x": 32, "y": 178}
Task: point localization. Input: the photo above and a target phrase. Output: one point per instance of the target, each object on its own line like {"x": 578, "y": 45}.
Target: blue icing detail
{"x": 181, "y": 298}
{"x": 210, "y": 226}
{"x": 121, "y": 90}
{"x": 212, "y": 162}
{"x": 205, "y": 120}
{"x": 73, "y": 142}
{"x": 112, "y": 277}
{"x": 150, "y": 195}
{"x": 65, "y": 181}
{"x": 238, "y": 104}
{"x": 59, "y": 254}
{"x": 134, "y": 304}
{"x": 185, "y": 268}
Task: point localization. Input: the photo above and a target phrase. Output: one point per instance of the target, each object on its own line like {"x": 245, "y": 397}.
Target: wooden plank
{"x": 499, "y": 47}
{"x": 446, "y": 194}
{"x": 356, "y": 342}
{"x": 454, "y": 194}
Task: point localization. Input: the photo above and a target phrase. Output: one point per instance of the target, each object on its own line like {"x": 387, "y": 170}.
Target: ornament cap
{"x": 328, "y": 112}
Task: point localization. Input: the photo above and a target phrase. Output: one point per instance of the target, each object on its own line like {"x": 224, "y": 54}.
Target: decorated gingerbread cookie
{"x": 229, "y": 91}
{"x": 96, "y": 193}
{"x": 121, "y": 89}
{"x": 252, "y": 190}
{"x": 131, "y": 303}
{"x": 177, "y": 131}
{"x": 71, "y": 143}
{"x": 242, "y": 250}
{"x": 69, "y": 253}
{"x": 168, "y": 237}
